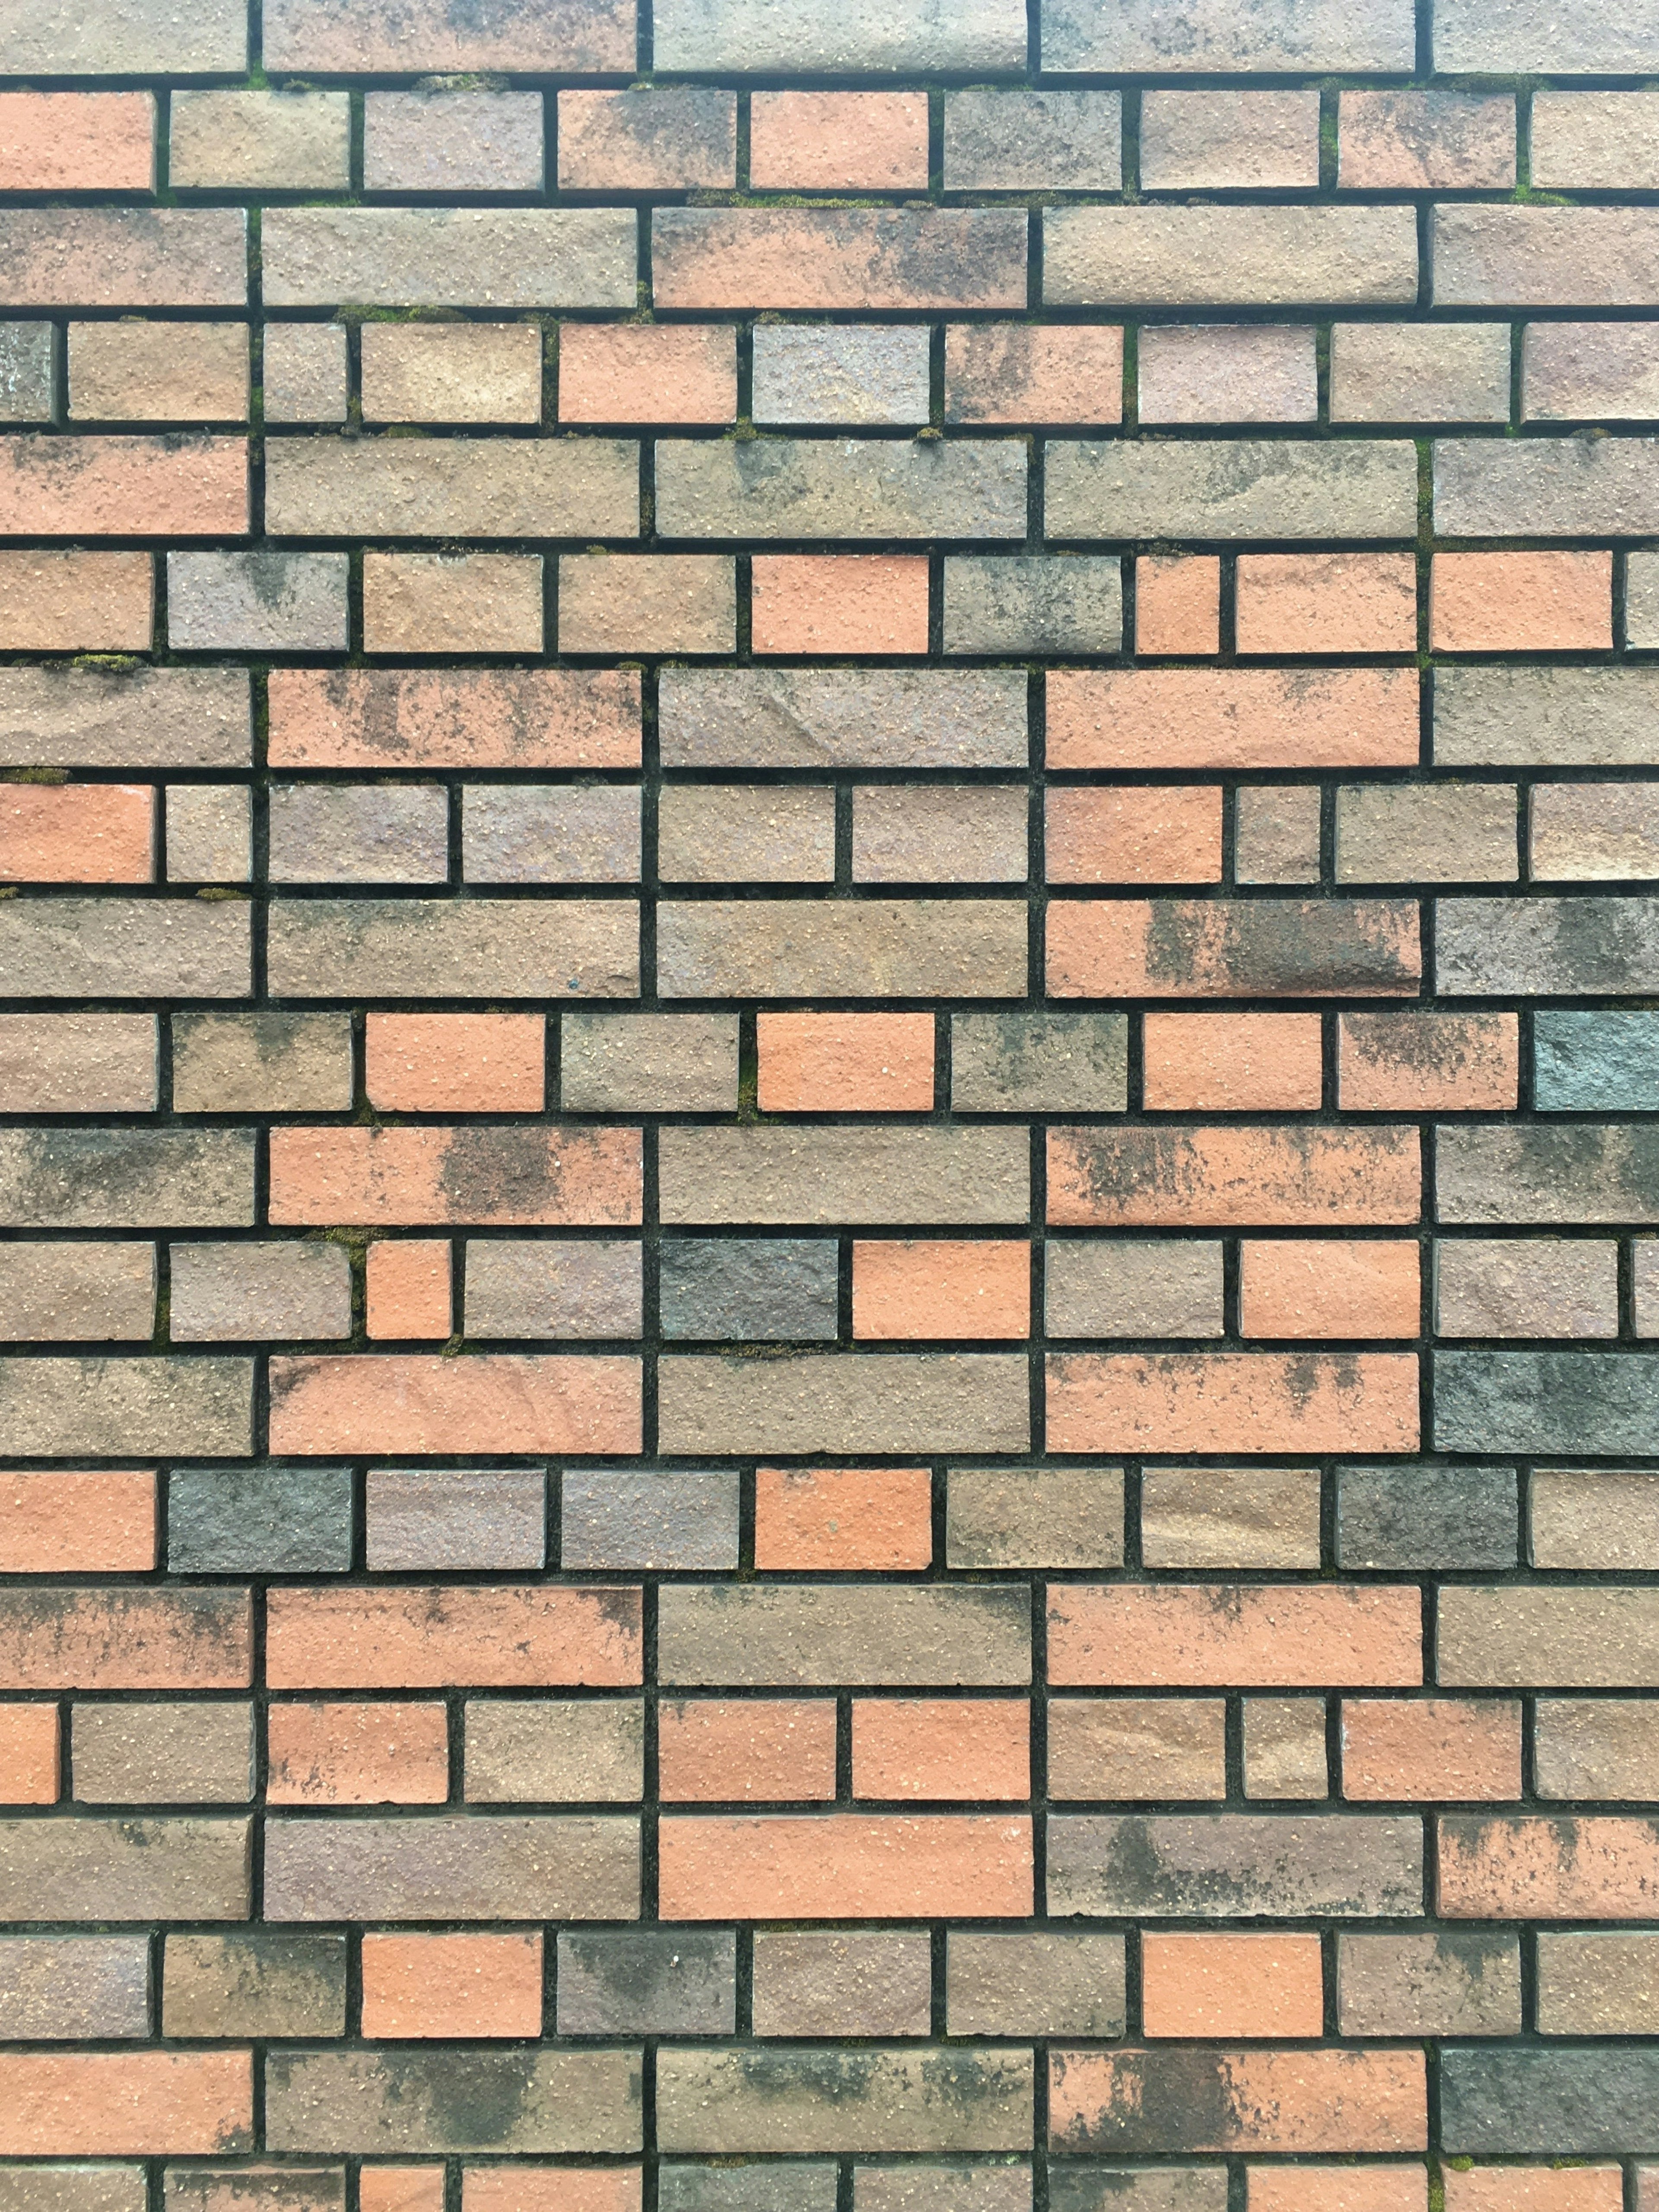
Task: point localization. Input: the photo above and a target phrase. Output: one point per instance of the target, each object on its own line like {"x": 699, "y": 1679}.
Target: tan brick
{"x": 158, "y": 372}
{"x": 647, "y": 602}
{"x": 283, "y": 141}
{"x": 451, "y": 373}
{"x": 420, "y": 603}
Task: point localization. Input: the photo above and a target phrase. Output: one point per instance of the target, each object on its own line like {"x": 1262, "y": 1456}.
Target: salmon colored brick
{"x": 845, "y": 1866}
{"x": 401, "y": 2189}
{"x": 28, "y": 1755}
{"x": 1443, "y": 1748}
{"x": 1277, "y": 2101}
{"x": 646, "y": 373}
{"x": 135, "y": 1638}
{"x": 846, "y": 1063}
{"x": 1246, "y": 1636}
{"x": 1178, "y": 603}
{"x": 160, "y": 487}
{"x": 1321, "y": 1287}
{"x": 357, "y": 1754}
{"x": 1160, "y": 835}
{"x": 1232, "y": 1402}
{"x": 723, "y": 1750}
{"x": 404, "y": 1178}
{"x": 940, "y": 1287}
{"x": 404, "y": 718}
{"x": 1232, "y": 1177}
{"x": 820, "y": 603}
{"x": 60, "y": 1521}
{"x": 124, "y": 2103}
{"x": 1520, "y": 602}
{"x": 1338, "y": 2189}
{"x": 437, "y": 1636}
{"x": 831, "y": 141}
{"x": 829, "y": 1519}
{"x": 1326, "y": 603}
{"x": 548, "y": 2189}
{"x": 68, "y": 601}
{"x": 457, "y": 1986}
{"x": 1220, "y": 718}
{"x": 1121, "y": 949}
{"x": 1024, "y": 373}
{"x": 1534, "y": 2189}
{"x": 1553, "y": 1867}
{"x": 1259, "y": 1986}
{"x": 77, "y": 142}
{"x": 77, "y": 833}
{"x": 941, "y": 1748}
{"x": 822, "y": 258}
{"x": 1232, "y": 1063}
{"x": 492, "y": 1402}
{"x": 1414, "y": 1063}
{"x": 407, "y": 1283}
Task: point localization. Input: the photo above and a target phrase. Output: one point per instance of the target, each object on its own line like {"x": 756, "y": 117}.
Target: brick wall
{"x": 827, "y": 1182}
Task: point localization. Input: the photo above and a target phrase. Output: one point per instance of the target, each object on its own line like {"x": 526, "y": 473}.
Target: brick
{"x": 1249, "y": 1634}
{"x": 1571, "y": 370}
{"x": 259, "y": 1520}
{"x": 448, "y": 487}
{"x": 822, "y": 373}
{"x": 1428, "y": 1063}
{"x": 59, "y": 1293}
{"x": 433, "y": 140}
{"x": 1285, "y": 1753}
{"x": 893, "y": 1177}
{"x": 1050, "y": 1983}
{"x": 549, "y": 1750}
{"x": 831, "y": 603}
{"x": 1107, "y": 1288}
{"x": 230, "y": 1293}
{"x": 1536, "y": 1402}
{"x": 456, "y": 1063}
{"x": 1338, "y": 2188}
{"x": 940, "y": 834}
{"x": 1222, "y": 373}
{"x": 1553, "y": 1867}
{"x": 58, "y": 602}
{"x": 449, "y": 256}
{"x": 1178, "y": 603}
{"x": 855, "y": 488}
{"x": 902, "y": 1637}
{"x": 451, "y": 603}
{"x": 423, "y": 1637}
{"x": 1022, "y": 604}
{"x": 1231, "y": 1985}
{"x": 1595, "y": 1985}
{"x": 181, "y": 1754}
{"x": 1164, "y": 257}
{"x": 246, "y": 1063}
{"x": 1083, "y": 35}
{"x": 56, "y": 142}
{"x": 1439, "y": 1749}
{"x": 1436, "y": 833}
{"x": 281, "y": 2189}
{"x": 76, "y": 1988}
{"x": 815, "y": 1063}
{"x": 1270, "y": 2100}
{"x": 305, "y": 373}
{"x": 1015, "y": 1517}
{"x": 87, "y": 1868}
{"x": 29, "y": 1755}
{"x": 367, "y": 34}
{"x": 838, "y": 142}
{"x": 1118, "y": 1748}
{"x": 845, "y": 1865}
{"x": 75, "y": 1407}
{"x": 455, "y": 1517}
{"x": 1491, "y": 717}
{"x": 78, "y": 833}
{"x": 26, "y": 372}
{"x": 527, "y": 834}
{"x": 1447, "y": 1983}
{"x": 1557, "y": 945}
{"x": 123, "y": 256}
{"x": 874, "y": 1983}
{"x": 869, "y": 1403}
{"x": 1320, "y": 1288}
{"x": 940, "y": 1289}
{"x": 1525, "y": 257}
{"x": 482, "y": 1867}
{"x": 824, "y": 259}
{"x": 451, "y": 1986}
{"x": 1605, "y": 1748}
{"x": 1024, "y": 140}
{"x": 124, "y": 487}
{"x": 77, "y": 1063}
{"x": 1526, "y": 1286}
{"x": 759, "y": 833}
{"x": 1326, "y": 603}
{"x": 1160, "y": 835}
{"x": 1226, "y": 949}
{"x": 679, "y": 1983}
{"x": 993, "y": 2187}
{"x": 1598, "y": 139}
{"x": 42, "y": 36}
{"x": 104, "y": 718}
{"x": 1019, "y": 372}
{"x": 1601, "y": 488}
{"x": 1593, "y": 1519}
{"x": 873, "y": 1519}
{"x": 843, "y": 718}
{"x": 1231, "y": 1176}
{"x": 941, "y": 1748}
{"x": 618, "y": 373}
{"x": 1039, "y": 1063}
{"x": 98, "y": 1639}
{"x": 1231, "y": 1062}
{"x": 156, "y": 371}
{"x": 1207, "y": 139}
{"x": 65, "y": 2188}
{"x": 1530, "y": 602}
{"x": 1427, "y": 141}
{"x": 1606, "y": 832}
{"x": 1194, "y": 718}
{"x": 1583, "y": 1174}
{"x": 210, "y": 833}
{"x": 1584, "y": 1638}
{"x": 541, "y": 1288}
{"x": 452, "y": 372}
{"x": 448, "y": 718}
{"x": 629, "y": 1064}
{"x": 1505, "y": 2102}
{"x": 112, "y": 2103}
{"x": 404, "y": 2101}
{"x": 1192, "y": 1401}
{"x": 614, "y": 1519}
{"x": 1243, "y": 488}
{"x": 62, "y": 1520}
{"x": 986, "y": 34}
{"x": 287, "y": 140}
{"x": 652, "y": 603}
{"x": 785, "y": 2099}
{"x": 362, "y": 1754}
{"x": 1230, "y": 1516}
{"x": 571, "y": 1177}
{"x": 711, "y": 1749}
{"x": 583, "y": 2189}
{"x": 1425, "y": 372}
{"x": 743, "y": 1289}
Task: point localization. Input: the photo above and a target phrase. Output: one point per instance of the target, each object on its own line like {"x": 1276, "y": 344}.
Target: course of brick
{"x": 829, "y": 936}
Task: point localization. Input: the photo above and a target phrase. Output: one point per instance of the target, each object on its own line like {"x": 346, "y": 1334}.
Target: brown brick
{"x": 1050, "y": 1517}
{"x": 1230, "y": 1516}
{"x": 874, "y": 1985}
{"x": 1440, "y": 1983}
{"x": 123, "y": 257}
{"x": 553, "y": 1750}
{"x": 179, "y": 1754}
{"x": 1119, "y": 1748}
{"x": 451, "y": 603}
{"x": 857, "y": 258}
{"x": 158, "y": 372}
{"x": 1200, "y": 141}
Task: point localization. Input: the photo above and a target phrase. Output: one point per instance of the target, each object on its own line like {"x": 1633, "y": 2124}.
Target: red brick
{"x": 1237, "y": 2100}
{"x": 457, "y": 1063}
{"x": 1231, "y": 1985}
{"x": 28, "y": 1755}
{"x": 1187, "y": 718}
{"x": 1326, "y": 603}
{"x": 457, "y": 1986}
{"x": 407, "y": 1286}
{"x": 1421, "y": 1063}
{"x": 846, "y": 1063}
{"x": 1338, "y": 2189}
{"x": 1232, "y": 1177}
{"x": 127, "y": 2104}
{"x": 489, "y": 1402}
{"x": 360, "y": 1754}
{"x": 61, "y": 1521}
{"x": 1534, "y": 2189}
{"x": 1249, "y": 1636}
{"x": 404, "y": 1178}
{"x": 646, "y": 373}
{"x": 1160, "y": 835}
{"x": 823, "y": 602}
{"x": 845, "y": 1866}
{"x": 77, "y": 833}
{"x": 722, "y": 1751}
{"x": 77, "y": 142}
{"x": 1442, "y": 1748}
{"x": 832, "y": 1519}
{"x": 1232, "y": 949}
{"x": 1232, "y": 1401}
{"x": 93, "y": 487}
{"x": 838, "y": 258}
{"x": 1320, "y": 1287}
{"x": 423, "y": 1639}
{"x": 1230, "y": 1063}
{"x": 941, "y": 1748}
{"x": 1178, "y": 603}
{"x": 941, "y": 1288}
{"x": 403, "y": 718}
{"x": 1521, "y": 603}
{"x": 830, "y": 142}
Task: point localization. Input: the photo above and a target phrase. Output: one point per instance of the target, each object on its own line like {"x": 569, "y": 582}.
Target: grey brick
{"x": 439, "y": 948}
{"x": 1063, "y": 1516}
{"x": 867, "y": 36}
{"x": 125, "y": 1869}
{"x": 1642, "y": 599}
{"x": 25, "y": 372}
{"x": 750, "y": 1289}
{"x": 1021, "y": 1063}
{"x": 138, "y": 717}
{"x": 1242, "y": 487}
{"x": 830, "y": 718}
{"x": 194, "y": 1752}
{"x": 259, "y": 1520}
{"x": 1235, "y": 1865}
{"x": 850, "y": 488}
{"x": 550, "y": 834}
{"x": 126, "y": 1177}
{"x": 72, "y": 1989}
{"x": 1534, "y": 256}
{"x": 258, "y": 602}
{"x": 1547, "y": 947}
{"x": 612, "y": 1518}
{"x": 229, "y": 1293}
{"x": 262, "y": 1063}
{"x": 210, "y": 833}
{"x": 1545, "y": 717}
{"x": 317, "y": 256}
{"x": 760, "y": 2185}
{"x": 48, "y": 37}
{"x": 456, "y": 1517}
{"x": 431, "y": 141}
{"x": 1602, "y": 1062}
{"x": 1021, "y": 141}
{"x": 1419, "y": 1519}
{"x": 553, "y": 1288}
{"x": 941, "y": 834}
{"x": 834, "y": 1176}
{"x": 1454, "y": 1982}
{"x": 117, "y": 1408}
{"x": 845, "y": 1402}
{"x": 722, "y": 833}
{"x": 1561, "y": 2102}
{"x": 870, "y": 1982}
{"x": 67, "y": 1293}
{"x": 589, "y": 1750}
{"x": 681, "y": 1982}
{"x": 1426, "y": 833}
{"x": 1546, "y": 1401}
{"x": 1176, "y": 256}
{"x": 828, "y": 372}
{"x": 1543, "y": 34}
{"x": 1225, "y": 36}
{"x": 786, "y": 1637}
{"x": 442, "y": 1867}
{"x": 1127, "y": 1289}
{"x": 74, "y": 2188}
{"x": 1049, "y": 1983}
{"x": 1526, "y": 1286}
{"x": 1082, "y": 2185}
{"x": 119, "y": 948}
{"x": 873, "y": 2098}
{"x": 1546, "y": 487}
{"x": 1597, "y": 1748}
{"x": 260, "y": 1982}
{"x": 1419, "y": 373}
{"x": 648, "y": 1063}
{"x": 1578, "y": 1174}
{"x": 445, "y": 2100}
{"x": 305, "y": 373}
{"x": 398, "y": 487}
{"x": 1033, "y": 603}
{"x": 77, "y": 1063}
{"x": 665, "y": 137}
{"x": 362, "y": 832}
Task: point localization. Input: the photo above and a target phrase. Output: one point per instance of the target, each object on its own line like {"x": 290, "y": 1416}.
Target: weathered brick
{"x": 1230, "y": 1516}
{"x": 87, "y": 1868}
{"x": 72, "y": 1988}
{"x": 125, "y": 718}
{"x": 287, "y": 140}
{"x": 1526, "y": 1286}
{"x": 838, "y": 140}
{"x": 1119, "y": 1748}
{"x": 1157, "y": 256}
{"x": 261, "y": 1063}
{"x": 123, "y": 257}
{"x": 1571, "y": 370}
{"x": 451, "y": 603}
{"x": 1419, "y": 373}
{"x": 42, "y": 36}
{"x": 1259, "y": 1635}
{"x": 1496, "y": 256}
{"x": 842, "y": 717}
{"x": 550, "y": 1749}
{"x": 1142, "y": 1288}
{"x": 900, "y": 2099}
{"x": 1235, "y": 1865}
{"x": 854, "y": 488}
{"x": 1026, "y": 373}
{"x": 1248, "y": 488}
{"x": 1021, "y": 141}
{"x": 448, "y": 487}
{"x": 450, "y": 1518}
{"x": 821, "y": 372}
{"x": 748, "y": 1289}
{"x": 444, "y": 2101}
{"x": 335, "y": 1754}
{"x": 1556, "y": 487}
{"x": 26, "y": 372}
{"x": 129, "y": 2102}
{"x": 421, "y": 1637}
{"x": 228, "y": 1293}
{"x": 1428, "y": 1063}
{"x": 1231, "y": 1401}
{"x": 194, "y": 1753}
{"x": 452, "y": 372}
{"x": 1603, "y": 1748}
{"x": 305, "y": 373}
{"x": 70, "y": 948}
{"x": 1042, "y": 1063}
{"x": 417, "y": 949}
{"x": 368, "y": 35}
{"x": 940, "y": 834}
{"x": 1019, "y": 604}
{"x": 1230, "y": 1176}
{"x": 1594, "y": 1519}
{"x": 1447, "y": 1984}
{"x": 447, "y": 718}
{"x": 72, "y": 1407}
{"x": 1050, "y": 1517}
{"x": 552, "y": 1289}
{"x": 679, "y": 1983}
{"x": 652, "y": 603}
{"x": 1420, "y": 1518}
{"x": 1228, "y": 372}
{"x": 59, "y": 1293}
{"x": 906, "y": 1402}
{"x": 482, "y": 1867}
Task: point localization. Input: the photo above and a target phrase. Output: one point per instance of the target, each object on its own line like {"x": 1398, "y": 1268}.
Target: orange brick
{"x": 1256, "y": 1636}
{"x": 407, "y": 1281}
{"x": 721, "y": 1750}
{"x": 401, "y": 2189}
{"x": 1534, "y": 2189}
{"x": 156, "y": 487}
{"x": 77, "y": 833}
{"x": 435, "y": 1636}
{"x": 451, "y": 1985}
{"x": 1232, "y": 1985}
{"x": 1428, "y": 1063}
{"x": 70, "y": 601}
{"x": 829, "y": 141}
{"x": 1178, "y": 603}
{"x": 1338, "y": 2189}
{"x": 457, "y": 1063}
{"x": 404, "y": 1177}
{"x": 941, "y": 1748}
{"x": 1326, "y": 603}
{"x": 1253, "y": 1402}
{"x": 845, "y": 1866}
{"x": 360, "y": 1754}
{"x": 1234, "y": 1177}
{"x": 500, "y": 1401}
{"x": 941, "y": 1288}
{"x": 1238, "y": 2100}
{"x": 69, "y": 1521}
{"x": 846, "y": 1063}
{"x": 1319, "y": 1287}
{"x": 823, "y": 603}
{"x": 467, "y": 718}
{"x": 1439, "y": 1748}
{"x": 1520, "y": 602}
{"x": 124, "y": 2103}
{"x": 1197, "y": 718}
{"x": 646, "y": 373}
{"x": 1516, "y": 1866}
{"x": 1232, "y": 1063}
{"x": 28, "y": 1755}
{"x": 1223, "y": 948}
{"x": 135, "y": 1638}
{"x": 827, "y": 1519}
{"x": 548, "y": 2189}
{"x": 1024, "y": 373}
{"x": 1161, "y": 835}
{"x": 77, "y": 142}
